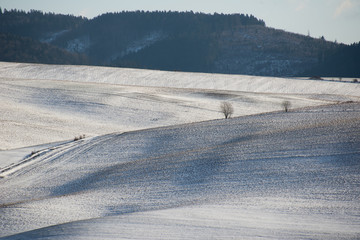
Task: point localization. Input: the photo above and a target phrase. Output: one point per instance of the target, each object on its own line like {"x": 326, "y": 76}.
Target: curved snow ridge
{"x": 155, "y": 78}
{"x": 264, "y": 174}
{"x": 73, "y": 148}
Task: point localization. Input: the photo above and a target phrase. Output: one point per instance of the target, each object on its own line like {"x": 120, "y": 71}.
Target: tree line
{"x": 171, "y": 40}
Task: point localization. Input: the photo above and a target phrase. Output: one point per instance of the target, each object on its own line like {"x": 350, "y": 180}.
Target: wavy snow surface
{"x": 153, "y": 78}
{"x": 49, "y": 103}
{"x": 264, "y": 175}
{"x": 278, "y": 175}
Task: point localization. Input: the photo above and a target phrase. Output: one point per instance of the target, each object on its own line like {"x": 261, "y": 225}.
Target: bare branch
{"x": 227, "y": 109}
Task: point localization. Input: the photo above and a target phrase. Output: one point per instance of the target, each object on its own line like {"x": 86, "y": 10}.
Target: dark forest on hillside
{"x": 179, "y": 41}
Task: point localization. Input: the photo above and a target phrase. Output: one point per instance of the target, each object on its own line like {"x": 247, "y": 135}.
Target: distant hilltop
{"x": 175, "y": 41}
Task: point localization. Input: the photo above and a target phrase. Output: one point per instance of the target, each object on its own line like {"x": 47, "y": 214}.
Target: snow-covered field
{"x": 49, "y": 103}
{"x": 265, "y": 175}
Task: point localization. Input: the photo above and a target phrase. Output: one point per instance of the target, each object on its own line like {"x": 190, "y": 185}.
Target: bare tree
{"x": 286, "y": 105}
{"x": 227, "y": 109}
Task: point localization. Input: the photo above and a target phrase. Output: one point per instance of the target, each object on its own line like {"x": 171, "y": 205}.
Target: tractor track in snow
{"x": 49, "y": 154}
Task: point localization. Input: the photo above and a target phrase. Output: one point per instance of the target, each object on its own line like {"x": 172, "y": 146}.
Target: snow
{"x": 151, "y": 78}
{"x": 53, "y": 36}
{"x": 159, "y": 162}
{"x": 50, "y": 103}
{"x": 139, "y": 44}
{"x": 79, "y": 45}
{"x": 276, "y": 176}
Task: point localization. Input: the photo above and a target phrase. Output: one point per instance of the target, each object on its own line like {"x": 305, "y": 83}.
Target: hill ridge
{"x": 177, "y": 41}
{"x": 288, "y": 174}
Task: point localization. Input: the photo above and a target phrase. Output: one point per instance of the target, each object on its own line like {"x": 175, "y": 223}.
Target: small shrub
{"x": 77, "y": 138}
{"x": 286, "y": 105}
{"x": 33, "y": 153}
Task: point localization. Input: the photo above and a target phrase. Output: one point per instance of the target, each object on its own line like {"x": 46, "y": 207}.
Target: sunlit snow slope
{"x": 277, "y": 175}
{"x": 48, "y": 103}
{"x": 154, "y": 78}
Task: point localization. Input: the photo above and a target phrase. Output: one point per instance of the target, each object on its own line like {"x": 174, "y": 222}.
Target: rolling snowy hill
{"x": 275, "y": 176}
{"x": 159, "y": 162}
{"x": 49, "y": 103}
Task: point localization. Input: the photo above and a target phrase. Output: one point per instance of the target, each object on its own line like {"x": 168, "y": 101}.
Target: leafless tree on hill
{"x": 227, "y": 109}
